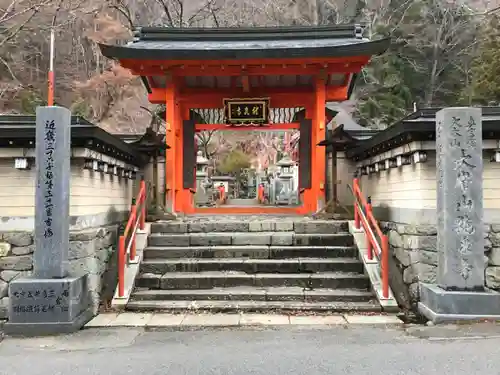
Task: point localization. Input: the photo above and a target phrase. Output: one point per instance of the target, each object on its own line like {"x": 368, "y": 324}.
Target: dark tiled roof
{"x": 418, "y": 126}
{"x": 247, "y": 43}
{"x": 19, "y": 131}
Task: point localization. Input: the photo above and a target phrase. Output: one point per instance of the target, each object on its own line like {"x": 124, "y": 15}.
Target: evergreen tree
{"x": 485, "y": 71}
{"x": 431, "y": 44}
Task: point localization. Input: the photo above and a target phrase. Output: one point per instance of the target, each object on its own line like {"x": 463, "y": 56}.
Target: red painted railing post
{"x": 369, "y": 247}
{"x": 134, "y": 222}
{"x": 385, "y": 266}
{"x": 143, "y": 205}
{"x": 133, "y": 215}
{"x": 121, "y": 266}
{"x": 356, "y": 212}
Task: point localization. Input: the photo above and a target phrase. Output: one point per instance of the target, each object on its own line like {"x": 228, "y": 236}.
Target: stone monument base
{"x": 442, "y": 306}
{"x": 48, "y": 306}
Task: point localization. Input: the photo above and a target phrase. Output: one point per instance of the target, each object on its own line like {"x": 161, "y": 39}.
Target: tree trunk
{"x": 314, "y": 11}
{"x": 429, "y": 97}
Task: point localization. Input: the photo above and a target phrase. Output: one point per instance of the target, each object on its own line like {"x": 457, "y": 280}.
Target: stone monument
{"x": 51, "y": 301}
{"x": 460, "y": 293}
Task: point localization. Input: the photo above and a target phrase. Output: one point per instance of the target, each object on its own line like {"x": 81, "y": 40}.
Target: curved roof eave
{"x": 165, "y": 51}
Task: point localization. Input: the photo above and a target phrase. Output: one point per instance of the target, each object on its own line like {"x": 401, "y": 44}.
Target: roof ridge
{"x": 354, "y": 31}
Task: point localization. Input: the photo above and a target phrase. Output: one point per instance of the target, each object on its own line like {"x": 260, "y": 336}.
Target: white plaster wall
{"x": 414, "y": 186}
{"x": 92, "y": 193}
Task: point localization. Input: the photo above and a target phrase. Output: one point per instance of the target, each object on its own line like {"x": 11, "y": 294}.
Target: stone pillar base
{"x": 443, "y": 306}
{"x": 48, "y": 306}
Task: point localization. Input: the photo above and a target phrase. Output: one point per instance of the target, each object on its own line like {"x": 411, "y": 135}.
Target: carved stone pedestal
{"x": 48, "y": 306}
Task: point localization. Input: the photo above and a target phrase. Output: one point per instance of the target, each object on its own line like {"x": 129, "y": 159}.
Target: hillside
{"x": 108, "y": 95}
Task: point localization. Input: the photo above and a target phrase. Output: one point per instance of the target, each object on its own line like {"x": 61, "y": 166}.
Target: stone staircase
{"x": 252, "y": 264}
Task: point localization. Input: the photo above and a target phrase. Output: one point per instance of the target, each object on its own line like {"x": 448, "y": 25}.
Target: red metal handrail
{"x": 134, "y": 221}
{"x": 363, "y": 215}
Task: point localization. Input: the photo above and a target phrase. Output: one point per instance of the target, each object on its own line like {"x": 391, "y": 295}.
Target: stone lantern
{"x": 285, "y": 165}
{"x": 201, "y": 165}
{"x": 285, "y": 193}
{"x": 204, "y": 185}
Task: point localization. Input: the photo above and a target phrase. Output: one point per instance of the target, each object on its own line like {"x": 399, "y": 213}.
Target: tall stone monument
{"x": 51, "y": 301}
{"x": 460, "y": 293}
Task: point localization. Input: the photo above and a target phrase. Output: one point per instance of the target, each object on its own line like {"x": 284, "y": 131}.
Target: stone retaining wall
{"x": 415, "y": 249}
{"x": 91, "y": 251}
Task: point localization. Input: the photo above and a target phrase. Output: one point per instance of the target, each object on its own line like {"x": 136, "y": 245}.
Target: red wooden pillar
{"x": 171, "y": 183}
{"x": 319, "y": 134}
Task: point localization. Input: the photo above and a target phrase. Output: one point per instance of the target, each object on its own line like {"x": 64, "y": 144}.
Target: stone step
{"x": 286, "y": 224}
{"x": 252, "y": 266}
{"x": 257, "y": 238}
{"x": 224, "y": 279}
{"x": 249, "y": 251}
{"x": 254, "y": 306}
{"x": 255, "y": 294}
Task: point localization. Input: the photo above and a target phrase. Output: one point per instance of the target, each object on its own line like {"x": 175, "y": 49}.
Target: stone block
{"x": 251, "y": 239}
{"x": 494, "y": 237}
{"x": 424, "y": 256}
{"x": 5, "y": 248}
{"x": 169, "y": 240}
{"x": 419, "y": 230}
{"x": 148, "y": 280}
{"x": 18, "y": 238}
{"x": 409, "y": 276}
{"x": 395, "y": 239}
{"x": 108, "y": 240}
{"x": 233, "y": 226}
{"x": 426, "y": 273}
{"x": 414, "y": 291}
{"x": 89, "y": 265}
{"x": 203, "y": 227}
{"x": 172, "y": 227}
{"x": 320, "y": 227}
{"x": 248, "y": 251}
{"x": 261, "y": 226}
{"x": 440, "y": 306}
{"x": 82, "y": 249}
{"x": 16, "y": 263}
{"x": 210, "y": 239}
{"x": 403, "y": 256}
{"x": 9, "y": 275}
{"x": 218, "y": 226}
{"x": 4, "y": 308}
{"x": 4, "y": 289}
{"x": 87, "y": 234}
{"x": 492, "y": 275}
{"x": 47, "y": 300}
{"x": 487, "y": 230}
{"x": 48, "y": 306}
{"x": 420, "y": 272}
{"x": 420, "y": 242}
{"x": 282, "y": 239}
{"x": 494, "y": 256}
{"x": 495, "y": 228}
{"x": 23, "y": 250}
{"x": 283, "y": 226}
{"x": 487, "y": 244}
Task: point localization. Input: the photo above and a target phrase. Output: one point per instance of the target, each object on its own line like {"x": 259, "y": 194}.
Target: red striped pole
{"x": 50, "y": 93}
